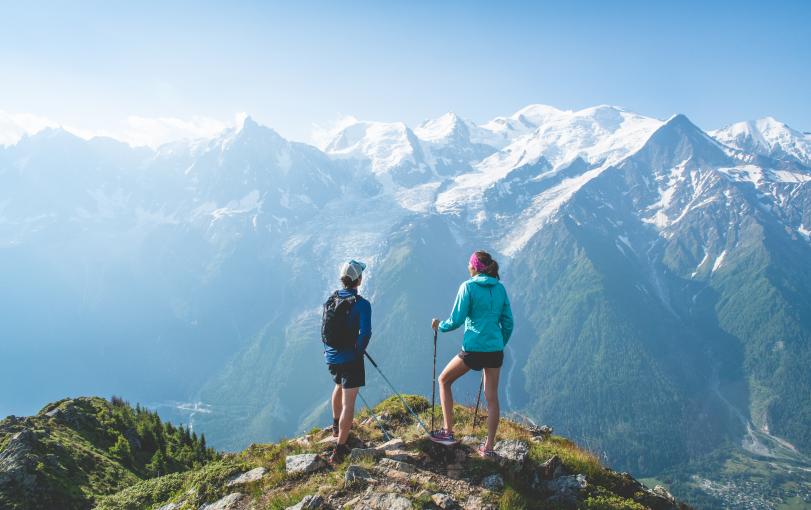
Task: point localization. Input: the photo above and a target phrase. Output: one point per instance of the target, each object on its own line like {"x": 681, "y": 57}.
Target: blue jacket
{"x": 483, "y": 307}
{"x": 361, "y": 314}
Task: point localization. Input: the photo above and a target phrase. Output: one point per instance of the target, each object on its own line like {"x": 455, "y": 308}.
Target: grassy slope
{"x": 277, "y": 490}
{"x": 73, "y": 458}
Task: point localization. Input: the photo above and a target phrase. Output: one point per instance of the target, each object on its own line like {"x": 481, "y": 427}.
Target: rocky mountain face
{"x": 657, "y": 273}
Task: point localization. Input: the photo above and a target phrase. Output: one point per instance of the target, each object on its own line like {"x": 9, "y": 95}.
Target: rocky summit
{"x": 403, "y": 470}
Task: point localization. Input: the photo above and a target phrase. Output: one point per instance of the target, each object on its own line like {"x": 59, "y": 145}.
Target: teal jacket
{"x": 483, "y": 307}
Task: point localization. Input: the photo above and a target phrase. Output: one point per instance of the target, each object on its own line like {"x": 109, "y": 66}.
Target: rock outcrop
{"x": 530, "y": 467}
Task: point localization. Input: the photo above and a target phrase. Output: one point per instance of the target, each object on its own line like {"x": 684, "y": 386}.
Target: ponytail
{"x": 490, "y": 265}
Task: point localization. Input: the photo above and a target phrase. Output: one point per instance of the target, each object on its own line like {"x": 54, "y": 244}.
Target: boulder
{"x": 303, "y": 463}
{"x": 357, "y": 475}
{"x": 358, "y": 454}
{"x": 542, "y": 431}
{"x": 476, "y": 503}
{"x": 229, "y": 502}
{"x": 552, "y": 468}
{"x": 383, "y": 501}
{"x": 18, "y": 460}
{"x": 566, "y": 489}
{"x": 247, "y": 477}
{"x": 443, "y": 501}
{"x": 661, "y": 491}
{"x": 494, "y": 482}
{"x": 396, "y": 465}
{"x": 308, "y": 503}
{"x": 512, "y": 453}
{"x": 403, "y": 456}
{"x": 393, "y": 444}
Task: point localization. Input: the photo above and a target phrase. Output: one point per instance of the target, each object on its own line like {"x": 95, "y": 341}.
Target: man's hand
{"x": 435, "y": 323}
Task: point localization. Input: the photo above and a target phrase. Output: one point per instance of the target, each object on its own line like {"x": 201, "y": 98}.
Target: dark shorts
{"x": 349, "y": 375}
{"x": 479, "y": 360}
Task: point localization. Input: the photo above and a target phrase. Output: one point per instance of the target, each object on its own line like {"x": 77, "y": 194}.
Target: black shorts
{"x": 349, "y": 375}
{"x": 479, "y": 360}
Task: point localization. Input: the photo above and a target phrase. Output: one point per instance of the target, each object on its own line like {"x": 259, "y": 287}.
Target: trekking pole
{"x": 478, "y": 399}
{"x": 402, "y": 400}
{"x": 374, "y": 416}
{"x": 433, "y": 387}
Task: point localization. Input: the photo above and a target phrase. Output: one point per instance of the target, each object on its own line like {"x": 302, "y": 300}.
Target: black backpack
{"x": 337, "y": 330}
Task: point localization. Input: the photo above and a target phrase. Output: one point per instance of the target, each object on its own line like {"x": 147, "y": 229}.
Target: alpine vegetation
{"x": 657, "y": 275}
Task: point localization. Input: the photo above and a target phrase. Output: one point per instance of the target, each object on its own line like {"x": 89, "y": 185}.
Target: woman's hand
{"x": 435, "y": 324}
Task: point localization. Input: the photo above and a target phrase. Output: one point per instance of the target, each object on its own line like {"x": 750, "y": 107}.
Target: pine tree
{"x": 157, "y": 466}
{"x": 122, "y": 451}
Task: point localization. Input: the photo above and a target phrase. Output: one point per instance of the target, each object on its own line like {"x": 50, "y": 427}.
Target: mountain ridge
{"x": 392, "y": 465}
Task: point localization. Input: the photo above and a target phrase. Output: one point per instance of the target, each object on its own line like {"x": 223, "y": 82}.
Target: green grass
{"x": 278, "y": 490}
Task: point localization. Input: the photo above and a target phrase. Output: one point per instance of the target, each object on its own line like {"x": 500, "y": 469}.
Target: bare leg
{"x": 347, "y": 414}
{"x": 337, "y": 402}
{"x": 493, "y": 409}
{"x": 455, "y": 369}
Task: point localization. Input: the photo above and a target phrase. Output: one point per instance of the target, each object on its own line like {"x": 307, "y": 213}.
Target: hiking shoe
{"x": 485, "y": 453}
{"x": 339, "y": 454}
{"x": 443, "y": 437}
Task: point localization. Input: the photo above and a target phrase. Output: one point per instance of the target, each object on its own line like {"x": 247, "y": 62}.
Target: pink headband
{"x": 476, "y": 263}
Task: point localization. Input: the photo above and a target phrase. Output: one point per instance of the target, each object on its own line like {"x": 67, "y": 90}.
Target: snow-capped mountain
{"x": 769, "y": 137}
{"x": 644, "y": 257}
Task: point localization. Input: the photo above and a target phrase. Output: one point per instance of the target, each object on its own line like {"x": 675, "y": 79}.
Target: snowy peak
{"x": 768, "y": 137}
{"x": 679, "y": 140}
{"x": 600, "y": 135}
{"x": 386, "y": 145}
{"x": 441, "y": 129}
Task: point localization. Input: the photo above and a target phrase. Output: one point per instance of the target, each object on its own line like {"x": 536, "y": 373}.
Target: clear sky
{"x": 109, "y": 67}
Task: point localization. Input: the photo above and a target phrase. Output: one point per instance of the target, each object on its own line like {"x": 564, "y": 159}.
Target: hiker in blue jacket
{"x": 483, "y": 307}
{"x": 347, "y": 325}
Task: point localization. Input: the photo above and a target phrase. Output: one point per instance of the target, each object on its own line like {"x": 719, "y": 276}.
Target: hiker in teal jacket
{"x": 483, "y": 307}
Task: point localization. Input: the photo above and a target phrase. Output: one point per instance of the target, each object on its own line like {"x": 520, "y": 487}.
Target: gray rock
{"x": 18, "y": 461}
{"x": 661, "y": 491}
{"x": 443, "y": 501}
{"x": 402, "y": 455}
{"x": 550, "y": 469}
{"x": 475, "y": 503}
{"x": 493, "y": 482}
{"x": 512, "y": 453}
{"x": 383, "y": 501}
{"x": 393, "y": 444}
{"x": 471, "y": 440}
{"x": 303, "y": 463}
{"x": 358, "y": 454}
{"x": 357, "y": 475}
{"x": 308, "y": 503}
{"x": 542, "y": 431}
{"x": 566, "y": 489}
{"x": 247, "y": 477}
{"x": 229, "y": 502}
{"x": 396, "y": 465}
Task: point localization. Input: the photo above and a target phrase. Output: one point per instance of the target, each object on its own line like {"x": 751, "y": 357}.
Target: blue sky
{"x": 292, "y": 65}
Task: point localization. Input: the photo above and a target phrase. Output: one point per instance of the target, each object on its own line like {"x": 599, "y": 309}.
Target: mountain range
{"x": 658, "y": 274}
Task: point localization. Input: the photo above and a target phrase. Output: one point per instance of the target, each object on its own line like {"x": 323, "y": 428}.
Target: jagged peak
{"x": 440, "y": 128}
